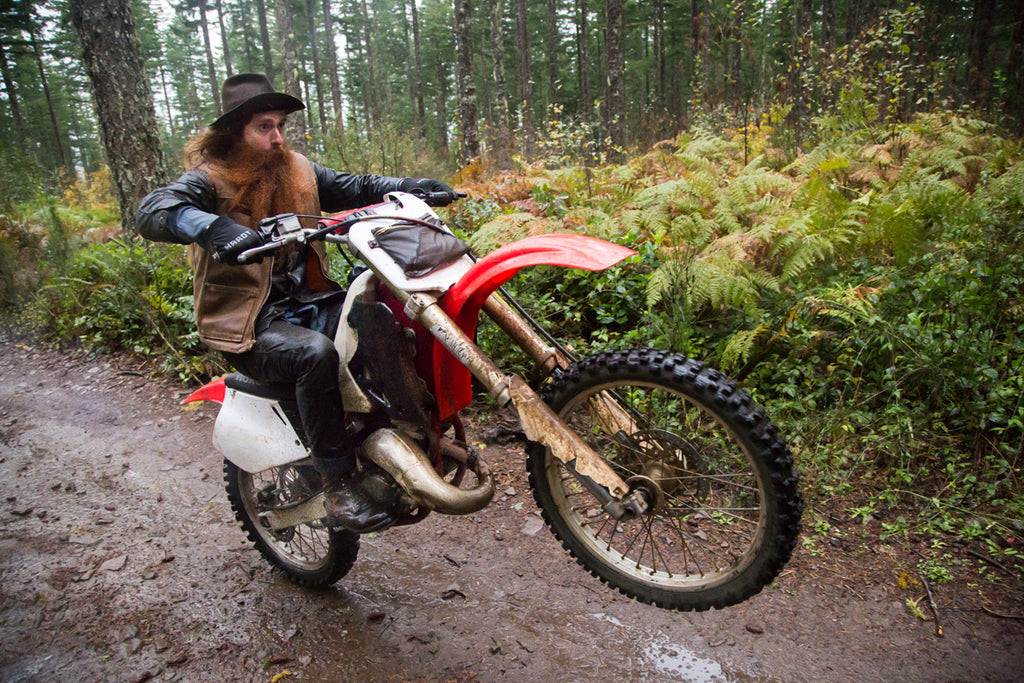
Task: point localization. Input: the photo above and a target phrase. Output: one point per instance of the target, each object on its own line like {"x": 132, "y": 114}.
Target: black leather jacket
{"x": 337, "y": 191}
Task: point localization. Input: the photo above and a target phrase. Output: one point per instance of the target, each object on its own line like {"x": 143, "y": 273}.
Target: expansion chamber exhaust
{"x": 404, "y": 460}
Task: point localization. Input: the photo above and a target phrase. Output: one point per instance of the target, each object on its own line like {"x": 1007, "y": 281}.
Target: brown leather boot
{"x": 350, "y": 506}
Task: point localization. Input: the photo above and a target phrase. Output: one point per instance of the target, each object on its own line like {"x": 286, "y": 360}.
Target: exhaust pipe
{"x": 408, "y": 464}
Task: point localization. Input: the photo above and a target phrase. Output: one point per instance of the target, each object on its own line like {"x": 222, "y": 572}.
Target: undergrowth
{"x": 867, "y": 292}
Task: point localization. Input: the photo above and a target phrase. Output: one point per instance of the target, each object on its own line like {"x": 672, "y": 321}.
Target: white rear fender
{"x": 254, "y": 434}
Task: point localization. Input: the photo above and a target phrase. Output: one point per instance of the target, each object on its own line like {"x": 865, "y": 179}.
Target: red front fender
{"x": 463, "y": 301}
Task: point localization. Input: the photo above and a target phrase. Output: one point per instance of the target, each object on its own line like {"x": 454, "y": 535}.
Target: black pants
{"x": 307, "y": 359}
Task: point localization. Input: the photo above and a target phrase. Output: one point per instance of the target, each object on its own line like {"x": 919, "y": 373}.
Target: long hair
{"x": 213, "y": 145}
{"x": 268, "y": 182}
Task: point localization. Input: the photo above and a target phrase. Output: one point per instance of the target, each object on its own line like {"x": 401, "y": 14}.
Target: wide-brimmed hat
{"x": 248, "y": 94}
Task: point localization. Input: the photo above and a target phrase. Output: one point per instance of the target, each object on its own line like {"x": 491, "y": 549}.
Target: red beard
{"x": 268, "y": 182}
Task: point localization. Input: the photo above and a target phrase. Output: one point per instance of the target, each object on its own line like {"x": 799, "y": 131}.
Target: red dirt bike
{"x": 658, "y": 474}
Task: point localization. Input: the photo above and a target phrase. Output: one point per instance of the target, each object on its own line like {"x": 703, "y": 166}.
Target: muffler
{"x": 404, "y": 460}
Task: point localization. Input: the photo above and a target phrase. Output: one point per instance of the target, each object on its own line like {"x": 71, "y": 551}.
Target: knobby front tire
{"x": 726, "y": 514}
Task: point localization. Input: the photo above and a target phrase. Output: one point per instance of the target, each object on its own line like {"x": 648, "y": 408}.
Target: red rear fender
{"x": 214, "y": 391}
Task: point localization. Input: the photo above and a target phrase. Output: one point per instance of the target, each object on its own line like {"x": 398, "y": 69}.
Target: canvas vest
{"x": 228, "y": 298}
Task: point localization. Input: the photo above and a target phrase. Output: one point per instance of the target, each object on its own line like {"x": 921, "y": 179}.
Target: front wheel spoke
{"x": 686, "y": 549}
{"x": 730, "y": 511}
{"x": 656, "y": 547}
{"x": 645, "y": 534}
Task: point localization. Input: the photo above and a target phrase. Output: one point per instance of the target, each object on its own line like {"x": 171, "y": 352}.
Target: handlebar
{"x": 285, "y": 228}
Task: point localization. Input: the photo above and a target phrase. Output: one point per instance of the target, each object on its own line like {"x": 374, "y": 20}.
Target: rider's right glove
{"x": 228, "y": 239}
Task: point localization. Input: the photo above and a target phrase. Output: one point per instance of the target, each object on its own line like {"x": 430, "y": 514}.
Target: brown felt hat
{"x": 246, "y": 94}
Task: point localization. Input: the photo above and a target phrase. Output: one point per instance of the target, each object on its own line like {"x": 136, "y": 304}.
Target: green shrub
{"x": 134, "y": 298}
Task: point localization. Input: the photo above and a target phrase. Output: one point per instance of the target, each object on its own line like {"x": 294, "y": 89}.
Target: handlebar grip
{"x": 436, "y": 198}
{"x": 440, "y": 198}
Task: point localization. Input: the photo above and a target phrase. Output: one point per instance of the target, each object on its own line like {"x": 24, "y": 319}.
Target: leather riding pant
{"x": 296, "y": 355}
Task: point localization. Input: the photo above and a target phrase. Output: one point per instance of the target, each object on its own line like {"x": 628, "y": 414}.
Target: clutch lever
{"x": 274, "y": 244}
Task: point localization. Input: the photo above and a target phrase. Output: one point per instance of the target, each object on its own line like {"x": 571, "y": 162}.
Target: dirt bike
{"x": 657, "y": 473}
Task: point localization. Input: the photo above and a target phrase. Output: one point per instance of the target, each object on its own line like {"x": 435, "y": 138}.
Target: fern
{"x": 741, "y": 346}
{"x": 692, "y": 229}
{"x": 507, "y": 228}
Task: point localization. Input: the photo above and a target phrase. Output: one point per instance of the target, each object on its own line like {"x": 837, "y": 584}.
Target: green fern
{"x": 741, "y": 346}
{"x": 507, "y": 228}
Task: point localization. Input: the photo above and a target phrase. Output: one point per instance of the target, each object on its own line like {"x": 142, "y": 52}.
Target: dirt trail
{"x": 121, "y": 561}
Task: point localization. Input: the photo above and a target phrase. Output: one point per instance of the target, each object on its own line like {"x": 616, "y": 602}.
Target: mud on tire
{"x": 727, "y": 511}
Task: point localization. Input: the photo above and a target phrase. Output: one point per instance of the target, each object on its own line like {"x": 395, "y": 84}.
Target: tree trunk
{"x": 290, "y": 72}
{"x": 317, "y": 78}
{"x": 442, "y": 109}
{"x": 167, "y": 99}
{"x": 124, "y": 104}
{"x": 1014, "y": 101}
{"x": 225, "y": 46}
{"x": 368, "y": 66}
{"x": 698, "y": 83}
{"x": 12, "y": 99}
{"x": 247, "y": 43}
{"x": 828, "y": 25}
{"x": 615, "y": 121}
{"x": 658, "y": 31}
{"x": 854, "y": 20}
{"x": 211, "y": 68}
{"x": 49, "y": 101}
{"x": 979, "y": 76}
{"x": 332, "y": 68}
{"x": 469, "y": 147}
{"x": 586, "y": 99}
{"x": 268, "y": 58}
{"x": 421, "y": 114}
{"x": 502, "y": 137}
{"x": 525, "y": 81}
{"x": 736, "y": 75}
{"x": 553, "y": 46}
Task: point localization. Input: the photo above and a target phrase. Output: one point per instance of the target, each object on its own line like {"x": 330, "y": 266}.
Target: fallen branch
{"x": 931, "y": 603}
{"x": 1002, "y": 616}
{"x": 988, "y": 559}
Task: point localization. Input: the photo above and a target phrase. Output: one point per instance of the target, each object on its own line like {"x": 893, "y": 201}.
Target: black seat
{"x": 278, "y": 391}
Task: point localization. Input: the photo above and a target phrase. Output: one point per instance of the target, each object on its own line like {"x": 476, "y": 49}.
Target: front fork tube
{"x": 539, "y": 422}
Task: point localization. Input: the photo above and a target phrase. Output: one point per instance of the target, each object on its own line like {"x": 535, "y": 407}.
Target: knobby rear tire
{"x": 727, "y": 515}
{"x": 311, "y": 555}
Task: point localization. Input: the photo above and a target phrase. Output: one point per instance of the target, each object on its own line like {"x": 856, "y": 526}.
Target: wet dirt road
{"x": 120, "y": 560}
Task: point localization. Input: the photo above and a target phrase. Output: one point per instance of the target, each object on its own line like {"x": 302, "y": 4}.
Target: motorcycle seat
{"x": 278, "y": 391}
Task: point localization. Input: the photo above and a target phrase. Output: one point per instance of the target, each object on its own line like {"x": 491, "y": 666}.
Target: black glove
{"x": 428, "y": 188}
{"x": 227, "y": 239}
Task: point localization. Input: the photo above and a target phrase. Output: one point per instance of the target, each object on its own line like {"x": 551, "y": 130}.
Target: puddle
{"x": 680, "y": 665}
{"x": 673, "y": 661}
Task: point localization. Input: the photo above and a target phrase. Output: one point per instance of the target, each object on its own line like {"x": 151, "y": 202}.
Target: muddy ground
{"x": 120, "y": 560}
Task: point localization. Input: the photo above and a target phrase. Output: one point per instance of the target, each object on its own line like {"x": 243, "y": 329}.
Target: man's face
{"x": 265, "y": 131}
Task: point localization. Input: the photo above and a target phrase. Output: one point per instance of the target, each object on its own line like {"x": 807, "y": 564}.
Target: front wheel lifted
{"x": 724, "y": 510}
{"x": 311, "y": 555}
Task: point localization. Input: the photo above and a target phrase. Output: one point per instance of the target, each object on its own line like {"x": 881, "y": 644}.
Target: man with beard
{"x": 274, "y": 320}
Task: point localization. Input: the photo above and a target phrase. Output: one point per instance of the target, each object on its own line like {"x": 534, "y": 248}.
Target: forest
{"x": 827, "y": 196}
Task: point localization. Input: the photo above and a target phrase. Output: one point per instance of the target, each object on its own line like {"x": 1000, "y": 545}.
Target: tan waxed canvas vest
{"x": 227, "y": 298}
